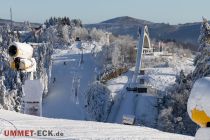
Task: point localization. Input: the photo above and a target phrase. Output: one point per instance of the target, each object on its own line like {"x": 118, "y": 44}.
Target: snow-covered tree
{"x": 50, "y": 35}
{"x": 42, "y": 54}
{"x": 202, "y": 60}
{"x": 80, "y": 32}
{"x": 98, "y": 101}
{"x": 165, "y": 118}
{"x": 173, "y": 116}
{"x": 76, "y": 22}
{"x": 100, "y": 58}
{"x": 10, "y": 85}
{"x": 117, "y": 57}
{"x": 66, "y": 33}
{"x": 178, "y": 97}
{"x": 60, "y": 30}
{"x": 123, "y": 51}
{"x": 97, "y": 35}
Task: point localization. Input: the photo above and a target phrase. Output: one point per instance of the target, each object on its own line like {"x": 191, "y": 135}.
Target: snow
{"x": 161, "y": 78}
{"x": 117, "y": 84}
{"x": 81, "y": 129}
{"x": 200, "y": 96}
{"x": 127, "y": 107}
{"x": 146, "y": 110}
{"x": 33, "y": 89}
{"x": 202, "y": 134}
{"x": 61, "y": 101}
{"x": 129, "y": 103}
{"x": 144, "y": 106}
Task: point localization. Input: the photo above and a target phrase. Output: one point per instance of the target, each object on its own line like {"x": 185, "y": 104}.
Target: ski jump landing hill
{"x": 135, "y": 95}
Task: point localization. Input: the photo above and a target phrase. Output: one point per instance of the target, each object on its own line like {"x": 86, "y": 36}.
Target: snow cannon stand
{"x": 198, "y": 107}
{"x": 21, "y": 59}
{"x": 32, "y": 97}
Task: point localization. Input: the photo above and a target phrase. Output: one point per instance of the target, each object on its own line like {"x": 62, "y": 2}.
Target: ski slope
{"x": 61, "y": 101}
{"x": 76, "y": 130}
{"x": 129, "y": 103}
{"x": 144, "y": 106}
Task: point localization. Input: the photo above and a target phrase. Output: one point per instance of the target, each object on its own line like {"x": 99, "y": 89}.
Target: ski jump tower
{"x": 142, "y": 45}
{"x": 21, "y": 59}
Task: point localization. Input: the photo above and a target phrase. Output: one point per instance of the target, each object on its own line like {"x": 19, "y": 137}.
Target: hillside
{"x": 63, "y": 103}
{"x": 16, "y": 24}
{"x": 184, "y": 33}
{"x": 126, "y": 20}
{"x": 80, "y": 129}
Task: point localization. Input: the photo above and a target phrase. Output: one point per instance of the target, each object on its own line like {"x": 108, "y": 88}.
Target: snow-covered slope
{"x": 81, "y": 129}
{"x": 144, "y": 106}
{"x": 61, "y": 101}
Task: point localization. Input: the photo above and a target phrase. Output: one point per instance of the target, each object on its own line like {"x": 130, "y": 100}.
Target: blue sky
{"x": 93, "y": 11}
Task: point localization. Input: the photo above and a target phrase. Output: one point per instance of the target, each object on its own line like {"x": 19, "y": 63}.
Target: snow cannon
{"x": 198, "y": 107}
{"x": 21, "y": 50}
{"x": 24, "y": 65}
{"x": 21, "y": 57}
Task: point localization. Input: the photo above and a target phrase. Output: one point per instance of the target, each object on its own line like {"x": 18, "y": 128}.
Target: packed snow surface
{"x": 76, "y": 130}
{"x": 202, "y": 134}
{"x": 61, "y": 101}
{"x": 33, "y": 89}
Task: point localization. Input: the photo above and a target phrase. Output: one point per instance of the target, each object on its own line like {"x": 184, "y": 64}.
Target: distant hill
{"x": 16, "y": 24}
{"x": 125, "y": 20}
{"x": 183, "y": 33}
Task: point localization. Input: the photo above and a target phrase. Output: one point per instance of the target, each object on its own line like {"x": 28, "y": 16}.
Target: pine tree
{"x": 11, "y": 84}
{"x": 98, "y": 101}
{"x": 179, "y": 95}
{"x": 202, "y": 60}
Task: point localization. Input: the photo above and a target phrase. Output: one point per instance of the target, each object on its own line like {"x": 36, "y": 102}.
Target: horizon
{"x": 111, "y": 19}
{"x": 95, "y": 11}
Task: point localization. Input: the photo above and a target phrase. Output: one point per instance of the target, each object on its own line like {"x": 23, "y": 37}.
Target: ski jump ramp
{"x": 143, "y": 42}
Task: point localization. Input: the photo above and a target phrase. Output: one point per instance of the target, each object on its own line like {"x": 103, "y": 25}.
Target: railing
{"x": 108, "y": 75}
